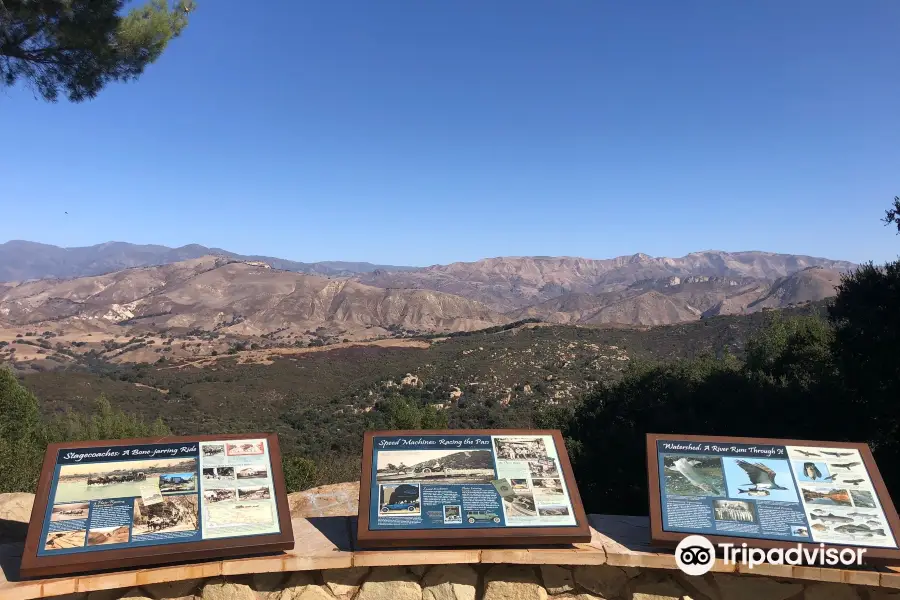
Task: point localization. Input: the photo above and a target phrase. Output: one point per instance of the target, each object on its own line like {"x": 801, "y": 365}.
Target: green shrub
{"x": 19, "y": 416}
{"x": 20, "y": 465}
{"x": 789, "y": 387}
{"x": 24, "y": 437}
{"x": 402, "y": 413}
{"x": 299, "y": 473}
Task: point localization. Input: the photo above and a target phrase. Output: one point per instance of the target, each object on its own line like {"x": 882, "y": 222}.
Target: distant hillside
{"x": 511, "y": 283}
{"x": 321, "y": 400}
{"x": 677, "y": 300}
{"x": 257, "y": 296}
{"x": 219, "y": 294}
{"x": 21, "y": 260}
{"x": 809, "y": 285}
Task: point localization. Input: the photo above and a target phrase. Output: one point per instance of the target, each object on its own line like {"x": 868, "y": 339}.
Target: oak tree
{"x": 892, "y": 215}
{"x": 76, "y": 47}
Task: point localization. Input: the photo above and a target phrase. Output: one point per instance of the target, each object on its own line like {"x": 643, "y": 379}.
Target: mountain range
{"x": 247, "y": 298}
{"x": 256, "y": 296}
{"x": 22, "y": 261}
{"x": 511, "y": 283}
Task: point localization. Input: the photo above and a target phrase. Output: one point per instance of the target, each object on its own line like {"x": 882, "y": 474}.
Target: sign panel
{"x": 139, "y": 501}
{"x": 782, "y": 492}
{"x": 486, "y": 485}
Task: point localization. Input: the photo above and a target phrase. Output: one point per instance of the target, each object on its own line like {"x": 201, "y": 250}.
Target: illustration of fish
{"x": 761, "y": 477}
{"x": 832, "y": 518}
{"x": 861, "y": 515}
{"x": 858, "y": 530}
{"x": 700, "y": 481}
{"x": 853, "y": 481}
{"x": 836, "y": 454}
{"x": 819, "y": 527}
{"x": 812, "y": 471}
{"x": 873, "y": 523}
{"x": 806, "y": 453}
{"x": 847, "y": 466}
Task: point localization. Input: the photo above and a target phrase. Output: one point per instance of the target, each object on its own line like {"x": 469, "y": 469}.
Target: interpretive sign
{"x": 121, "y": 503}
{"x": 466, "y": 487}
{"x": 776, "y": 492}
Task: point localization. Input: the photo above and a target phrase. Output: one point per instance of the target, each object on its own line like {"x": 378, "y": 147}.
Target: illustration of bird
{"x": 806, "y": 453}
{"x": 812, "y": 471}
{"x": 761, "y": 477}
{"x": 847, "y": 466}
{"x": 836, "y": 454}
{"x": 853, "y": 481}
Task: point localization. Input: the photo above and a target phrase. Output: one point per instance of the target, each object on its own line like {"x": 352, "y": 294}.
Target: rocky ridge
{"x": 215, "y": 293}
{"x": 252, "y": 298}
{"x": 510, "y": 283}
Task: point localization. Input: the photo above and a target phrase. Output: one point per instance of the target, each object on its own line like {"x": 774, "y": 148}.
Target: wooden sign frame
{"x": 488, "y": 536}
{"x": 664, "y": 538}
{"x": 34, "y": 565}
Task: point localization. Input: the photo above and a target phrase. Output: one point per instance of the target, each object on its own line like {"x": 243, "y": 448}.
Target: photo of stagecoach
{"x": 211, "y": 450}
{"x": 219, "y": 495}
{"x": 164, "y": 520}
{"x": 175, "y": 513}
{"x": 124, "y": 478}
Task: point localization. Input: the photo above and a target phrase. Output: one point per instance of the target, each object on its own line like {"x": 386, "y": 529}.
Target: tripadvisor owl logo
{"x": 695, "y": 555}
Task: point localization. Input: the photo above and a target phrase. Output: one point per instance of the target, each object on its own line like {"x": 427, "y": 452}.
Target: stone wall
{"x": 617, "y": 564}
{"x": 497, "y": 582}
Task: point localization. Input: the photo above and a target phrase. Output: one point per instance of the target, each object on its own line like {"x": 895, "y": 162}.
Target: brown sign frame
{"x": 664, "y": 538}
{"x": 41, "y": 566}
{"x": 578, "y": 533}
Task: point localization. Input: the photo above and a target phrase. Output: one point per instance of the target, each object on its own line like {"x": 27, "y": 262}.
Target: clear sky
{"x": 411, "y": 132}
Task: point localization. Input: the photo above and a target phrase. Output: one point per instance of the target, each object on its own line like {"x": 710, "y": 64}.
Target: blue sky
{"x": 410, "y": 132}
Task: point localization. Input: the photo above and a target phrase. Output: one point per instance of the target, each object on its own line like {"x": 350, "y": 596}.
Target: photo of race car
{"x": 435, "y": 466}
{"x": 482, "y": 517}
{"x": 417, "y": 470}
{"x": 400, "y": 506}
{"x": 400, "y": 500}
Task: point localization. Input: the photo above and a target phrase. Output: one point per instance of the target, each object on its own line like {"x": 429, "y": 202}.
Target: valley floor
{"x": 320, "y": 399}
